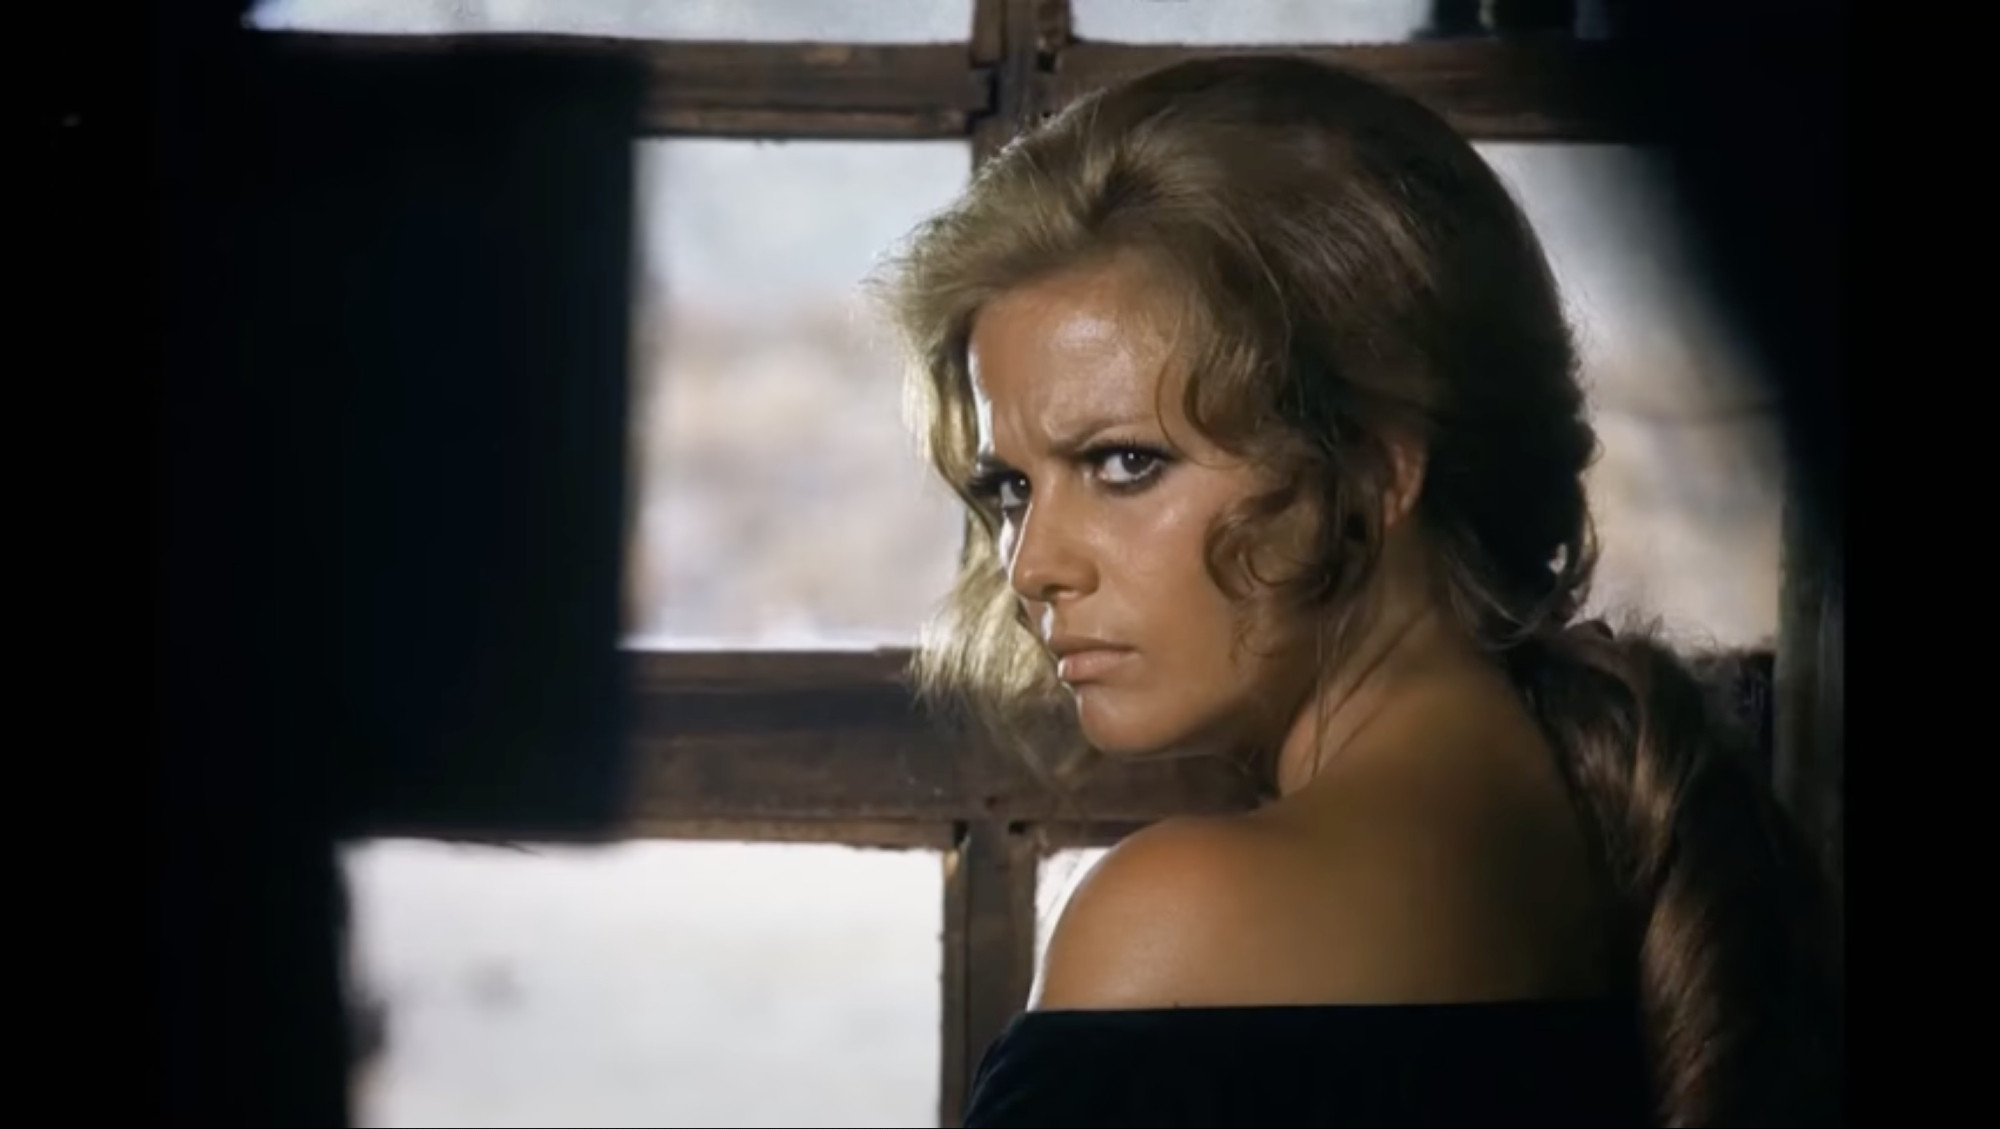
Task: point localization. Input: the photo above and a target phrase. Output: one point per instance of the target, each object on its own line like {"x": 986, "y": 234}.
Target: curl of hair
{"x": 1347, "y": 272}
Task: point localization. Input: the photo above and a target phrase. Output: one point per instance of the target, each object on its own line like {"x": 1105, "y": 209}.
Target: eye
{"x": 1123, "y": 467}
{"x": 1004, "y": 490}
{"x": 1011, "y": 494}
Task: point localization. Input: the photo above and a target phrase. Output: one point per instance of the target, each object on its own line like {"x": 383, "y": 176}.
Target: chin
{"x": 1122, "y": 726}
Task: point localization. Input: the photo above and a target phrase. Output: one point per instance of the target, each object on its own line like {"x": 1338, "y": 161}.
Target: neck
{"x": 1407, "y": 651}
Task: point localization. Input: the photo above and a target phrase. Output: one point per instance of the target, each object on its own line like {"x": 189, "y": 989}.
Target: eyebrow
{"x": 1069, "y": 443}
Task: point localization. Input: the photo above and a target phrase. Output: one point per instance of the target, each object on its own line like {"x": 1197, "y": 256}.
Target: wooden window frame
{"x": 829, "y": 747}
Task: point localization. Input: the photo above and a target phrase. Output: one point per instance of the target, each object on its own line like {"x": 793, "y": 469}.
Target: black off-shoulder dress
{"x": 1542, "y": 1064}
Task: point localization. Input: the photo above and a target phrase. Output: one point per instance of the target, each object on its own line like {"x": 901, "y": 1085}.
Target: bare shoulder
{"x": 1158, "y": 922}
{"x": 1388, "y": 894}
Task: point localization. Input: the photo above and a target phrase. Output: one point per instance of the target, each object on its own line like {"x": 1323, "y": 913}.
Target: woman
{"x": 1259, "y": 386}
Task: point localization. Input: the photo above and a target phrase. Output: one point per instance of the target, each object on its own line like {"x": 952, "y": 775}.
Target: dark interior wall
{"x": 390, "y": 505}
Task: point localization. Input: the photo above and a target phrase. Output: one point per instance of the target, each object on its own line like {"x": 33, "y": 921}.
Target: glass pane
{"x": 781, "y": 500}
{"x": 1688, "y": 491}
{"x": 649, "y": 984}
{"x": 1248, "y": 22}
{"x": 1055, "y": 881}
{"x": 835, "y": 21}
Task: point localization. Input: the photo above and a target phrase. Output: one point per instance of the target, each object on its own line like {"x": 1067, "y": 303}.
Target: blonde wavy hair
{"x": 1353, "y": 271}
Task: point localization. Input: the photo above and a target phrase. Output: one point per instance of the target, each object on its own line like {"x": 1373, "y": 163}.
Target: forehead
{"x": 1082, "y": 347}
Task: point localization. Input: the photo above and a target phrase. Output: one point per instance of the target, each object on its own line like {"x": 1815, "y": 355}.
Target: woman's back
{"x": 1440, "y": 859}
{"x": 1419, "y": 938}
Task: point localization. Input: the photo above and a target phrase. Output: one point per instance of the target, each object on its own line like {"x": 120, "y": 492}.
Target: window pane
{"x": 649, "y": 984}
{"x": 842, "y": 21}
{"x": 1688, "y": 491}
{"x": 1247, "y": 22}
{"x": 781, "y": 502}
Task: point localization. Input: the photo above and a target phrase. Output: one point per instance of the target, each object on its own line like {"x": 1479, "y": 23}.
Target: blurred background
{"x": 780, "y": 506}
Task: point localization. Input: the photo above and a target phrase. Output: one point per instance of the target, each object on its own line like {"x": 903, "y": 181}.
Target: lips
{"x": 1090, "y": 665}
{"x": 1082, "y": 659}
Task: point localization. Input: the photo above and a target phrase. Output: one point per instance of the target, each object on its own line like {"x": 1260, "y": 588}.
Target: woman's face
{"x": 1107, "y": 495}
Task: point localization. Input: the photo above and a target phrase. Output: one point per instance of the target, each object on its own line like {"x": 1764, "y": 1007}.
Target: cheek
{"x": 1162, "y": 565}
{"x": 1204, "y": 674}
{"x": 1164, "y": 555}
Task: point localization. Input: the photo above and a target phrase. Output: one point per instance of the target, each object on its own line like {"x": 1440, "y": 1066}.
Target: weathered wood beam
{"x": 1020, "y": 41}
{"x": 1489, "y": 89}
{"x": 820, "y": 832}
{"x": 899, "y": 89}
{"x": 791, "y": 737}
{"x": 749, "y": 89}
{"x": 989, "y": 948}
{"x": 807, "y": 125}
{"x": 1020, "y": 63}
